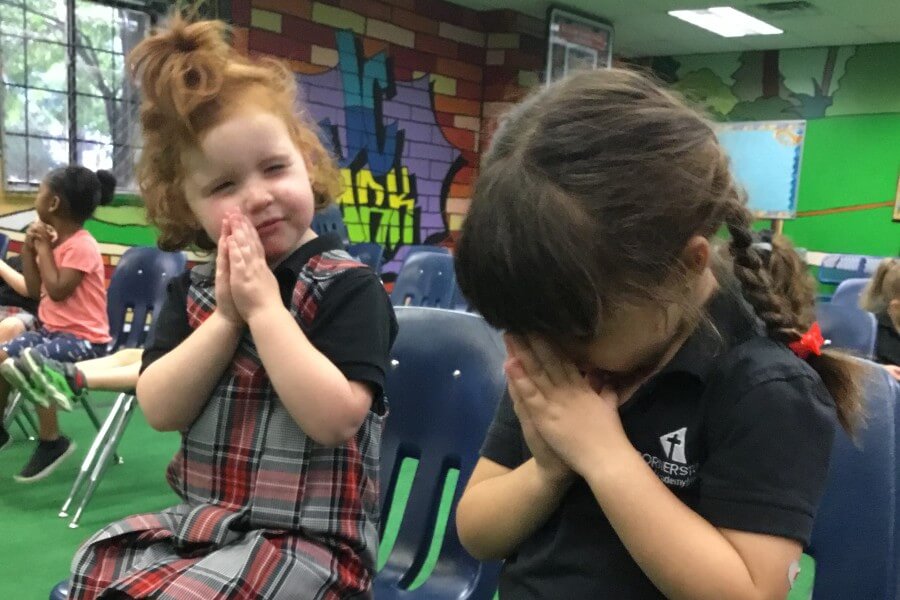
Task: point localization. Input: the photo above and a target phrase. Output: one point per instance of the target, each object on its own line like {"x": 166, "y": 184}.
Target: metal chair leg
{"x": 103, "y": 460}
{"x": 11, "y": 407}
{"x": 21, "y": 422}
{"x": 99, "y": 440}
{"x": 22, "y": 417}
{"x": 30, "y": 418}
{"x": 92, "y": 415}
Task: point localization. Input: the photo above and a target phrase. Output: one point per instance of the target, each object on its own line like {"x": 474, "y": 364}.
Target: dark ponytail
{"x": 781, "y": 293}
{"x": 81, "y": 190}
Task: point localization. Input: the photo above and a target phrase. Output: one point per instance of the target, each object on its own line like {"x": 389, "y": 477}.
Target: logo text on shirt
{"x": 672, "y": 466}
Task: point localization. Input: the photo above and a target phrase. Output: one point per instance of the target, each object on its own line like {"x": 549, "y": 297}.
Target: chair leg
{"x": 21, "y": 422}
{"x": 109, "y": 448}
{"x": 30, "y": 418}
{"x": 99, "y": 440}
{"x": 21, "y": 417}
{"x": 92, "y": 415}
{"x": 11, "y": 407}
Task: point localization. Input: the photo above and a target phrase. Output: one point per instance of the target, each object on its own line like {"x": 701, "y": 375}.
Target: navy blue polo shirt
{"x": 735, "y": 425}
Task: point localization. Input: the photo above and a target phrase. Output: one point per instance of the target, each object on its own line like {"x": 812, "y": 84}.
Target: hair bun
{"x": 107, "y": 186}
{"x": 180, "y": 67}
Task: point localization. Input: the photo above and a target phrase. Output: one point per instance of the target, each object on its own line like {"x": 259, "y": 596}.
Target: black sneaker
{"x": 47, "y": 456}
{"x": 5, "y": 438}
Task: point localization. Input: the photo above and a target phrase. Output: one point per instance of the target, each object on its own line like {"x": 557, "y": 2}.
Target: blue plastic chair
{"x": 849, "y": 291}
{"x": 853, "y": 539}
{"x": 443, "y": 387}
{"x": 426, "y": 279}
{"x": 459, "y": 301}
{"x": 60, "y": 591}
{"x": 369, "y": 253}
{"x": 138, "y": 287}
{"x": 330, "y": 220}
{"x": 405, "y": 252}
{"x": 848, "y": 328}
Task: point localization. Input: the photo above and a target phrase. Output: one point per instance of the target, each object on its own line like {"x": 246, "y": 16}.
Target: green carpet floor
{"x": 37, "y": 547}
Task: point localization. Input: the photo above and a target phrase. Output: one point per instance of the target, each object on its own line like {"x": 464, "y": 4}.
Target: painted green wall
{"x": 849, "y": 161}
{"x": 850, "y": 97}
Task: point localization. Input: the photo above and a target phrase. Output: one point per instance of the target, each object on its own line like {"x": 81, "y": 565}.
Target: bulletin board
{"x": 766, "y": 158}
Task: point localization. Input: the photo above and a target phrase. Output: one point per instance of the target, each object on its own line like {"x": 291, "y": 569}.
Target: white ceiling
{"x": 642, "y": 27}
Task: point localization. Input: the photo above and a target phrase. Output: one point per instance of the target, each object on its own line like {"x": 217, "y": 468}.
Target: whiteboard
{"x": 765, "y": 159}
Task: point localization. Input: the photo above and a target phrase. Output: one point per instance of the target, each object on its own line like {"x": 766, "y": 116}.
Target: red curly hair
{"x": 191, "y": 80}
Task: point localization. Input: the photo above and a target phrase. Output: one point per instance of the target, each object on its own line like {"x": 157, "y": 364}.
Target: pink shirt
{"x": 82, "y": 314}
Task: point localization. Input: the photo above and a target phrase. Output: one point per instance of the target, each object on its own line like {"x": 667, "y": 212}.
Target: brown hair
{"x": 191, "y": 80}
{"x": 882, "y": 289}
{"x": 792, "y": 281}
{"x": 590, "y": 192}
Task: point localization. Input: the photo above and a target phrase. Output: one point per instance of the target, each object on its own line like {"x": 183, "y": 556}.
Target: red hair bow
{"x": 810, "y": 342}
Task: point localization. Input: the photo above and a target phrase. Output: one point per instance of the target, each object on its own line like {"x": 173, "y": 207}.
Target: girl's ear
{"x": 54, "y": 204}
{"x": 696, "y": 254}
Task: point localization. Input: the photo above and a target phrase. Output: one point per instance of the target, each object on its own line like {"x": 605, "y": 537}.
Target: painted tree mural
{"x": 808, "y": 83}
{"x": 870, "y": 83}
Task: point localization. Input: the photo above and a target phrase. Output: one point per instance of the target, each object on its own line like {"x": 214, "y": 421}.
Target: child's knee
{"x": 10, "y": 328}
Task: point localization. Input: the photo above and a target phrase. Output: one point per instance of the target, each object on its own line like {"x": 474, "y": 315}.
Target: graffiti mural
{"x": 396, "y": 163}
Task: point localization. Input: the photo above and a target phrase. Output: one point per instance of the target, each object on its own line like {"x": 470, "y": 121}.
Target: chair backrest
{"x": 848, "y": 291}
{"x": 443, "y": 387}
{"x": 4, "y": 245}
{"x": 848, "y": 328}
{"x": 835, "y": 268}
{"x": 853, "y": 539}
{"x": 406, "y": 251}
{"x": 425, "y": 279}
{"x": 369, "y": 253}
{"x": 330, "y": 220}
{"x": 139, "y": 283}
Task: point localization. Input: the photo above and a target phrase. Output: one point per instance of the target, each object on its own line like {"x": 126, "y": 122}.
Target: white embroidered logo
{"x": 673, "y": 445}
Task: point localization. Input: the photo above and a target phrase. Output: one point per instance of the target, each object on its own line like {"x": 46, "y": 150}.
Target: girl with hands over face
{"x": 639, "y": 450}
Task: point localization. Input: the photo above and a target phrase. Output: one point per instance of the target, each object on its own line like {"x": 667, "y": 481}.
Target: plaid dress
{"x": 267, "y": 512}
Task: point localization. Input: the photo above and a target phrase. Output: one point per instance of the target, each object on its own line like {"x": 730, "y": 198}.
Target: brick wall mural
{"x": 407, "y": 94}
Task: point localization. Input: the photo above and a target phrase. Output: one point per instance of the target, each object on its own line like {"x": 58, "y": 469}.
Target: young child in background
{"x": 17, "y": 309}
{"x": 882, "y": 297}
{"x": 640, "y": 451}
{"x": 63, "y": 268}
{"x": 270, "y": 360}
